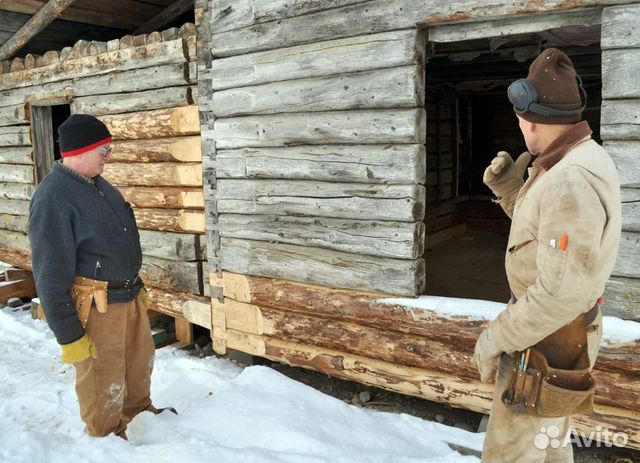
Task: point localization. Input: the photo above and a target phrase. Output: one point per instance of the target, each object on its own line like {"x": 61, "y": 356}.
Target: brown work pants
{"x": 516, "y": 437}
{"x": 116, "y": 386}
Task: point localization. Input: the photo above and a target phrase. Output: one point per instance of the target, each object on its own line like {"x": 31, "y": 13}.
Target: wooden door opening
{"x": 45, "y": 121}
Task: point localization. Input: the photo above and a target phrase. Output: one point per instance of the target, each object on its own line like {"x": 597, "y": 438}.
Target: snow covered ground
{"x": 226, "y": 414}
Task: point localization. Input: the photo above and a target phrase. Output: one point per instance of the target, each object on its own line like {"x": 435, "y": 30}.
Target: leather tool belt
{"x": 553, "y": 378}
{"x": 84, "y": 292}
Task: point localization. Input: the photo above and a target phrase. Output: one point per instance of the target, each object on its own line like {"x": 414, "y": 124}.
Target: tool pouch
{"x": 557, "y": 381}
{"x": 85, "y": 292}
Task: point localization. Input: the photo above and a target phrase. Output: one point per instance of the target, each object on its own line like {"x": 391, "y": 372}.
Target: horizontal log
{"x": 195, "y": 309}
{"x": 14, "y": 222}
{"x": 403, "y": 240}
{"x": 13, "y": 115}
{"x": 354, "y": 54}
{"x": 514, "y": 25}
{"x": 353, "y": 127}
{"x": 371, "y": 17}
{"x": 16, "y": 155}
{"x": 631, "y": 209}
{"x": 336, "y": 163}
{"x": 15, "y": 241}
{"x": 18, "y": 135}
{"x": 365, "y": 309}
{"x": 169, "y": 197}
{"x": 178, "y": 220}
{"x": 14, "y": 206}
{"x": 625, "y": 154}
{"x": 176, "y": 149}
{"x": 620, "y": 25}
{"x": 16, "y": 191}
{"x": 154, "y": 54}
{"x": 628, "y": 261}
{"x": 622, "y": 298}
{"x": 134, "y": 80}
{"x": 16, "y": 173}
{"x": 620, "y": 119}
{"x": 145, "y": 100}
{"x": 322, "y": 266}
{"x": 173, "y": 275}
{"x": 620, "y": 69}
{"x": 158, "y": 123}
{"x": 434, "y": 386}
{"x": 154, "y": 174}
{"x": 173, "y": 246}
{"x": 321, "y": 199}
{"x": 392, "y": 88}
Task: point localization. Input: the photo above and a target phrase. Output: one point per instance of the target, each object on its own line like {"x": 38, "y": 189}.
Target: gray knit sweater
{"x": 79, "y": 226}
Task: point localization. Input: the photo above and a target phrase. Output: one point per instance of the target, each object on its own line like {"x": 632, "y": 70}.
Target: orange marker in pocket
{"x": 563, "y": 242}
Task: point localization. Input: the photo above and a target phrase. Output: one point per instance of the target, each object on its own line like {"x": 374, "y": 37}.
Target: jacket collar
{"x": 58, "y": 165}
{"x": 562, "y": 145}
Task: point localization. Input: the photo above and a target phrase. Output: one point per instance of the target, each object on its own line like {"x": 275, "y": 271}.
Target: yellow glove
{"x": 79, "y": 350}
{"x": 144, "y": 295}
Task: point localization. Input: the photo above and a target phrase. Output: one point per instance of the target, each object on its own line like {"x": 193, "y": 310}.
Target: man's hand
{"x": 486, "y": 356}
{"x": 503, "y": 175}
{"x": 79, "y": 350}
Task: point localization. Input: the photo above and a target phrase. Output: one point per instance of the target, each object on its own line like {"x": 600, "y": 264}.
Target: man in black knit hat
{"x": 86, "y": 257}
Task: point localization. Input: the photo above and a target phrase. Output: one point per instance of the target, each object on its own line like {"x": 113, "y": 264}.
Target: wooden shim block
{"x": 161, "y": 98}
{"x": 30, "y": 61}
{"x": 514, "y": 25}
{"x": 16, "y": 155}
{"x": 321, "y": 266}
{"x": 13, "y": 115}
{"x": 16, "y": 191}
{"x": 366, "y": 309}
{"x": 363, "y": 53}
{"x": 16, "y": 173}
{"x": 622, "y": 298}
{"x": 20, "y": 288}
{"x": 387, "y": 239}
{"x": 620, "y": 70}
{"x": 176, "y": 149}
{"x": 159, "y": 123}
{"x": 154, "y": 174}
{"x": 173, "y": 198}
{"x": 14, "y": 222}
{"x": 184, "y": 331}
{"x": 620, "y": 119}
{"x": 354, "y": 127}
{"x": 19, "y": 135}
{"x": 14, "y": 207}
{"x": 15, "y": 241}
{"x": 17, "y": 64}
{"x": 371, "y": 17}
{"x": 628, "y": 262}
{"x": 156, "y": 54}
{"x": 173, "y": 246}
{"x": 336, "y": 163}
{"x": 178, "y": 220}
{"x": 631, "y": 209}
{"x": 171, "y": 274}
{"x": 620, "y": 26}
{"x": 15, "y": 258}
{"x": 626, "y": 154}
{"x": 81, "y": 49}
{"x": 195, "y": 309}
{"x": 134, "y": 80}
{"x": 387, "y": 88}
{"x": 321, "y": 199}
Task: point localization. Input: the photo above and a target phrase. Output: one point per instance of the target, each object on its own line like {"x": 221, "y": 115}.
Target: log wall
{"x": 144, "y": 89}
{"x": 620, "y": 131}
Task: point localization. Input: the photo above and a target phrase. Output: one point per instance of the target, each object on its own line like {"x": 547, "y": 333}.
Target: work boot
{"x": 157, "y": 411}
{"x": 122, "y": 435}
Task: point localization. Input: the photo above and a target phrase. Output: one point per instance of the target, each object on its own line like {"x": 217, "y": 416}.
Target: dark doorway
{"x": 45, "y": 121}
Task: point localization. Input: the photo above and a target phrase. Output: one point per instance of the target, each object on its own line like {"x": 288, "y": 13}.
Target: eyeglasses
{"x": 105, "y": 152}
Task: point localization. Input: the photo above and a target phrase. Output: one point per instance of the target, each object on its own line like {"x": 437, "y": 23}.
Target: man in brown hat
{"x": 566, "y": 226}
{"x": 86, "y": 257}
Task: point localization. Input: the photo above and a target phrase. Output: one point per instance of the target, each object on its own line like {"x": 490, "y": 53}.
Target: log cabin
{"x": 292, "y": 164}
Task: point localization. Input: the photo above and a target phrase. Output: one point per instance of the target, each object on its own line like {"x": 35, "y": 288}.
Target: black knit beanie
{"x": 81, "y": 133}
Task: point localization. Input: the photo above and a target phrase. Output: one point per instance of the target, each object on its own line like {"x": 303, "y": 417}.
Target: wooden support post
{"x": 38, "y": 22}
{"x": 184, "y": 331}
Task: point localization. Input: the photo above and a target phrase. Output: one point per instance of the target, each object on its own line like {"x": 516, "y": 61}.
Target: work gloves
{"x": 79, "y": 350}
{"x": 486, "y": 355}
{"x": 503, "y": 175}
